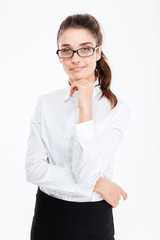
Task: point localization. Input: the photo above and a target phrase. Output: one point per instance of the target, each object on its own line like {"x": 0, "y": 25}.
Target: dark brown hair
{"x": 102, "y": 71}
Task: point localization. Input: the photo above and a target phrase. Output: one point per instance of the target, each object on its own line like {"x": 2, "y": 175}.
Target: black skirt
{"x": 57, "y": 219}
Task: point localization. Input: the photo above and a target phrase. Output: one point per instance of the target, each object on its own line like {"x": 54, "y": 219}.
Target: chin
{"x": 78, "y": 77}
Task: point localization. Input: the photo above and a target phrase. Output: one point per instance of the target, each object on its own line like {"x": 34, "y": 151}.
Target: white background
{"x": 29, "y": 67}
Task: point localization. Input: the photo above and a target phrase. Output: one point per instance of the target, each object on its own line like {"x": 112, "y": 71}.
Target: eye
{"x": 86, "y": 48}
{"x": 65, "y": 50}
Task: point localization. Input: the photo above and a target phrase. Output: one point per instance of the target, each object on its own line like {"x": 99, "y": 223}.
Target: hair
{"x": 102, "y": 71}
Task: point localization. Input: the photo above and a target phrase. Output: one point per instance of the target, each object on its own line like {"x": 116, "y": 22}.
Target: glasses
{"x": 82, "y": 52}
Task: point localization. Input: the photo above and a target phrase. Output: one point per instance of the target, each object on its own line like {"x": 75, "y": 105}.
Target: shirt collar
{"x": 96, "y": 90}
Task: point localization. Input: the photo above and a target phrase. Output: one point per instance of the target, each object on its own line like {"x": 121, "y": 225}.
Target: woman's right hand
{"x": 110, "y": 191}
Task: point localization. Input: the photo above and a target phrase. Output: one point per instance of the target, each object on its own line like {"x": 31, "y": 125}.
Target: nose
{"x": 76, "y": 57}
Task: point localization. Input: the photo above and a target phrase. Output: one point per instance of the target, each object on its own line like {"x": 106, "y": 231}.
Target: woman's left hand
{"x": 85, "y": 92}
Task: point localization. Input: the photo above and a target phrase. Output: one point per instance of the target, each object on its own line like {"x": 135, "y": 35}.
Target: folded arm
{"x": 89, "y": 162}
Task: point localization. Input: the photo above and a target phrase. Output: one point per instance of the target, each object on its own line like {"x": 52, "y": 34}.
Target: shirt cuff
{"x": 85, "y": 130}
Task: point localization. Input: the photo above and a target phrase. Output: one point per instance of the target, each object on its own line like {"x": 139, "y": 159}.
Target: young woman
{"x": 74, "y": 135}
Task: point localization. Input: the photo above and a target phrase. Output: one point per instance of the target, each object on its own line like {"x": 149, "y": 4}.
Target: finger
{"x": 80, "y": 83}
{"x": 124, "y": 194}
{"x": 72, "y": 90}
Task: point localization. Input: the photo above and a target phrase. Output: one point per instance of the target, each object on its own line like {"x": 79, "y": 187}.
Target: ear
{"x": 98, "y": 55}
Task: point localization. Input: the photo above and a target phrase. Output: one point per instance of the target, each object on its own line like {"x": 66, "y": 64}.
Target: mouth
{"x": 77, "y": 69}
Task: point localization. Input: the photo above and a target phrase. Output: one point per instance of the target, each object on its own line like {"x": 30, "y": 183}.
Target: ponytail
{"x": 104, "y": 75}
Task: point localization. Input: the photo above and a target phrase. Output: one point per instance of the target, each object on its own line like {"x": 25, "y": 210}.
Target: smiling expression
{"x": 79, "y": 67}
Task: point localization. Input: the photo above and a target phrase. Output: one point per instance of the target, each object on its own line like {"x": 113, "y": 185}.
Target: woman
{"x": 74, "y": 135}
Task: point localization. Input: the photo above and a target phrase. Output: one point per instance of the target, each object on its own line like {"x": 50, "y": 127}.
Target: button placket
{"x": 68, "y": 138}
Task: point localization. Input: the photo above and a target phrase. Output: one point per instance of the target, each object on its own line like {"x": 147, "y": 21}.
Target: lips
{"x": 76, "y": 69}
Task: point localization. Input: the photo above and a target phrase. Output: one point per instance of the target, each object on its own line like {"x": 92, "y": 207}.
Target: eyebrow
{"x": 81, "y": 44}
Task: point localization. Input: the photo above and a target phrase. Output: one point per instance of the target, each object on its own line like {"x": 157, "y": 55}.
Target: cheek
{"x": 65, "y": 65}
{"x": 91, "y": 63}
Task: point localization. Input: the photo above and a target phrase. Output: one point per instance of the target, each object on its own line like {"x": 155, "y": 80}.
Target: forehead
{"x": 75, "y": 37}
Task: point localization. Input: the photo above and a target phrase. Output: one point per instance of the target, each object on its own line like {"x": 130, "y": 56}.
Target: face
{"x": 74, "y": 39}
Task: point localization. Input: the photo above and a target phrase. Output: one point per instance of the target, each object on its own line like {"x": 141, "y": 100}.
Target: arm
{"x": 94, "y": 152}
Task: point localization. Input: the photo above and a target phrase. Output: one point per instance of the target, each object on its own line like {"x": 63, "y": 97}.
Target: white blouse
{"x": 65, "y": 158}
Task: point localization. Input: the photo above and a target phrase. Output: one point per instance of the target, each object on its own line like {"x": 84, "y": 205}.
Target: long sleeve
{"x": 38, "y": 170}
{"x": 94, "y": 152}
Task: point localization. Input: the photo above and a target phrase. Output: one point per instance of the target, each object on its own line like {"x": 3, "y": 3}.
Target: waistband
{"x": 57, "y": 203}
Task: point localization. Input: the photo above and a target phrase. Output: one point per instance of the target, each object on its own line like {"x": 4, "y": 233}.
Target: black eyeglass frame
{"x": 73, "y": 51}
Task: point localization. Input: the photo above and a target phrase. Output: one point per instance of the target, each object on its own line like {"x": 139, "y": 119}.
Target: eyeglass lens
{"x": 83, "y": 52}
